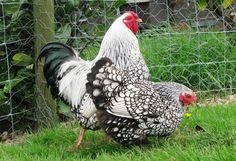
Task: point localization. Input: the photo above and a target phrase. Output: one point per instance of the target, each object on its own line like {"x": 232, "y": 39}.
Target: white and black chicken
{"x": 66, "y": 73}
{"x": 130, "y": 109}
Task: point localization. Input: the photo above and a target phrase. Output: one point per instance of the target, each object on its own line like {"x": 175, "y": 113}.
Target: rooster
{"x": 66, "y": 73}
{"x": 130, "y": 109}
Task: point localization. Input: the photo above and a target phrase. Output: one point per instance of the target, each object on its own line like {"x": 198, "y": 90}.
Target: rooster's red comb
{"x": 132, "y": 13}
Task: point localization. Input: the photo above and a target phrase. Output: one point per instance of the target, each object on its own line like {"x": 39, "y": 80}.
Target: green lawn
{"x": 217, "y": 142}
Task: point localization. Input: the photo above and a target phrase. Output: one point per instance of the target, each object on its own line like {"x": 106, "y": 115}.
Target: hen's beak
{"x": 139, "y": 20}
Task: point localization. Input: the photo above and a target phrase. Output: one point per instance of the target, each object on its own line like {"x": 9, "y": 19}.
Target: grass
{"x": 217, "y": 142}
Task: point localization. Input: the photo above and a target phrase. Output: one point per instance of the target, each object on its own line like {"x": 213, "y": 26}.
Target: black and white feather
{"x": 131, "y": 109}
{"x": 66, "y": 73}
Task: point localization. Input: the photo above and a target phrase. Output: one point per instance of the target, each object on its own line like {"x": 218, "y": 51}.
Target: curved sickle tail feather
{"x": 55, "y": 54}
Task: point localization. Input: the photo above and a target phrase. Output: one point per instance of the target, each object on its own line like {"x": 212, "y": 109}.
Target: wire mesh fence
{"x": 16, "y": 75}
{"x": 188, "y": 41}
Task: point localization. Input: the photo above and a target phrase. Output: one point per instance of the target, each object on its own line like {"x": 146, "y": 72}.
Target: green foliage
{"x": 2, "y": 96}
{"x": 203, "y": 4}
{"x": 11, "y": 84}
{"x": 227, "y": 3}
{"x": 63, "y": 33}
{"x": 74, "y": 3}
{"x": 16, "y": 75}
{"x": 64, "y": 109}
{"x": 2, "y": 53}
{"x": 217, "y": 142}
{"x": 11, "y": 9}
{"x": 23, "y": 75}
{"x": 21, "y": 59}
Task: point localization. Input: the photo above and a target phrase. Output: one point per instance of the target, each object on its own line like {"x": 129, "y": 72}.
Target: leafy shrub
{"x": 16, "y": 71}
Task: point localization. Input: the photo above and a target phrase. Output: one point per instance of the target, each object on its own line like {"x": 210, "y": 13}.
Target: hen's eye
{"x": 188, "y": 95}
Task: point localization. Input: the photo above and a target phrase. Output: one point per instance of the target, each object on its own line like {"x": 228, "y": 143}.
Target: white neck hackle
{"x": 120, "y": 44}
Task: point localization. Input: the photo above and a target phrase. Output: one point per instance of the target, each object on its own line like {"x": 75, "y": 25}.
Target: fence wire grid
{"x": 188, "y": 41}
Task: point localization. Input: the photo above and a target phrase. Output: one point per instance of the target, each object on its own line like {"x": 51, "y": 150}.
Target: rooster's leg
{"x": 80, "y": 138}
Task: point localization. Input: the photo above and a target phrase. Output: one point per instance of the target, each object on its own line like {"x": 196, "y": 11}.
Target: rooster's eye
{"x": 128, "y": 18}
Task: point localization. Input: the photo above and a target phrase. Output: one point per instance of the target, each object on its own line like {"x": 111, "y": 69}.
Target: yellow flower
{"x": 187, "y": 114}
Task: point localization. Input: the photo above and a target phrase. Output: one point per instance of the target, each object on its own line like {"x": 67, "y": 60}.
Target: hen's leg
{"x": 80, "y": 138}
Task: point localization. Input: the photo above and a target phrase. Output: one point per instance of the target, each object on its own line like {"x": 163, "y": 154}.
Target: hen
{"x": 66, "y": 73}
{"x": 129, "y": 109}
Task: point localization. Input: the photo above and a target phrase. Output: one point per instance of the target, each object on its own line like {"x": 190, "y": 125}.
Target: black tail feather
{"x": 55, "y": 54}
{"x": 54, "y": 46}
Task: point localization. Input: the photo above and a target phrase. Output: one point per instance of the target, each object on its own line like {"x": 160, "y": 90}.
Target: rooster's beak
{"x": 139, "y": 20}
